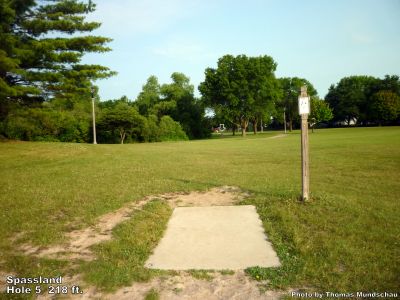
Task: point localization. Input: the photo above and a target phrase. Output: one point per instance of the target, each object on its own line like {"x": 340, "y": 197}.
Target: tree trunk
{"x": 255, "y": 123}
{"x": 122, "y": 135}
{"x": 290, "y": 125}
{"x": 244, "y": 125}
{"x": 233, "y": 129}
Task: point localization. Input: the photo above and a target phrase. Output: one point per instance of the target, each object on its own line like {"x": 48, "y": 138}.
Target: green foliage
{"x": 38, "y": 60}
{"x": 149, "y": 96}
{"x": 241, "y": 88}
{"x": 43, "y": 85}
{"x": 41, "y": 124}
{"x": 123, "y": 121}
{"x": 153, "y": 134}
{"x": 320, "y": 111}
{"x": 170, "y": 130}
{"x": 176, "y": 100}
{"x": 163, "y": 108}
{"x": 120, "y": 121}
{"x": 385, "y": 106}
{"x": 291, "y": 90}
{"x": 364, "y": 98}
{"x": 188, "y": 111}
{"x": 349, "y": 97}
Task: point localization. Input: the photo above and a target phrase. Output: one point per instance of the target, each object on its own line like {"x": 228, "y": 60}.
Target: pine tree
{"x": 41, "y": 47}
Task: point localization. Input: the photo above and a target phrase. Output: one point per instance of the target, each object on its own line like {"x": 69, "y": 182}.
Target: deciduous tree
{"x": 241, "y": 88}
{"x": 189, "y": 111}
{"x": 149, "y": 96}
{"x": 349, "y": 98}
{"x": 290, "y": 93}
{"x": 385, "y": 106}
{"x": 122, "y": 119}
{"x": 320, "y": 112}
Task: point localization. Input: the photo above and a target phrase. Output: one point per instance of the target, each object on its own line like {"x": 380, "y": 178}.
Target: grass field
{"x": 347, "y": 238}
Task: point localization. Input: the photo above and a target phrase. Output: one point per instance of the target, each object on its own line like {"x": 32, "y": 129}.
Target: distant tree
{"x": 241, "y": 87}
{"x": 152, "y": 133}
{"x": 222, "y": 117}
{"x": 385, "y": 106}
{"x": 320, "y": 112}
{"x": 170, "y": 130}
{"x": 268, "y": 92}
{"x": 163, "y": 108}
{"x": 44, "y": 124}
{"x": 389, "y": 83}
{"x": 178, "y": 101}
{"x": 122, "y": 119}
{"x": 349, "y": 98}
{"x": 149, "y": 96}
{"x": 290, "y": 93}
{"x": 113, "y": 103}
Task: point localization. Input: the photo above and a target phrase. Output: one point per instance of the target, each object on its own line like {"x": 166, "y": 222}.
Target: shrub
{"x": 153, "y": 132}
{"x": 170, "y": 130}
{"x": 42, "y": 124}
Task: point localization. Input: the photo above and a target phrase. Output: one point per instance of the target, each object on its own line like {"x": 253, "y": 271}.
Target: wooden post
{"x": 304, "y": 110}
{"x": 304, "y": 158}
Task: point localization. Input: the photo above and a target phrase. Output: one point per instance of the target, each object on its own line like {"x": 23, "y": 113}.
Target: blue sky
{"x": 319, "y": 40}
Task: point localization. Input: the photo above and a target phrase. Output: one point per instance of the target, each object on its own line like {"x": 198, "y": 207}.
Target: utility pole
{"x": 93, "y": 116}
{"x": 304, "y": 110}
{"x": 284, "y": 118}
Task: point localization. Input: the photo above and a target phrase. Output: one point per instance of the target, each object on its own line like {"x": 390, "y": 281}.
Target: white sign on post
{"x": 304, "y": 105}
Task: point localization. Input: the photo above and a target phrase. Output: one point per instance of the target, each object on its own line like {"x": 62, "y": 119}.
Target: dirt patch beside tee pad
{"x": 183, "y": 285}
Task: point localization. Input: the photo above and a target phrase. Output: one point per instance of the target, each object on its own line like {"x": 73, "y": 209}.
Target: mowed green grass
{"x": 347, "y": 238}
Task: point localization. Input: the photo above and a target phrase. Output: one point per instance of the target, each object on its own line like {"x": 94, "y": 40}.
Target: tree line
{"x": 244, "y": 90}
{"x": 46, "y": 92}
{"x": 366, "y": 100}
{"x": 160, "y": 113}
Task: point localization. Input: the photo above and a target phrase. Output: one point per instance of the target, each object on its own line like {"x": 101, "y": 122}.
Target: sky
{"x": 319, "y": 40}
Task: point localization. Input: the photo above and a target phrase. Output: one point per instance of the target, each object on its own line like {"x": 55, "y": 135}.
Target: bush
{"x": 169, "y": 130}
{"x": 42, "y": 124}
{"x": 153, "y": 133}
{"x": 47, "y": 124}
{"x": 122, "y": 123}
{"x": 19, "y": 127}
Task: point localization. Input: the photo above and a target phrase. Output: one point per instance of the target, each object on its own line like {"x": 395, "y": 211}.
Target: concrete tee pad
{"x": 215, "y": 237}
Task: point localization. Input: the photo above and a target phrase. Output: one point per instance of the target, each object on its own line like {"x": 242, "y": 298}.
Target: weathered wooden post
{"x": 304, "y": 110}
